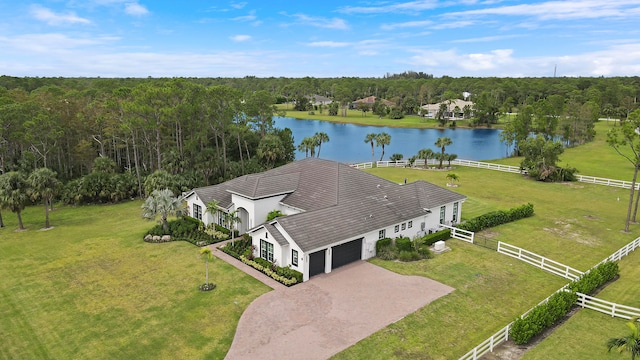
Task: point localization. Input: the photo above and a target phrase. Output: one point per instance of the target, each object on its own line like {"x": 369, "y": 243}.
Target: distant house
{"x": 334, "y": 214}
{"x": 455, "y": 109}
{"x": 317, "y": 100}
{"x": 370, "y": 100}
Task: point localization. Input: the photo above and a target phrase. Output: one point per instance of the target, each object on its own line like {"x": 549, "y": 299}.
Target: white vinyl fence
{"x": 460, "y": 234}
{"x": 499, "y": 337}
{"x": 607, "y": 307}
{"x": 536, "y": 260}
{"x": 604, "y": 181}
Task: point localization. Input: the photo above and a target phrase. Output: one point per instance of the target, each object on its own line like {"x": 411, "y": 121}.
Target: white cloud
{"x": 240, "y": 38}
{"x": 321, "y": 22}
{"x": 52, "y": 18}
{"x": 410, "y": 7}
{"x": 135, "y": 9}
{"x": 239, "y": 5}
{"x": 485, "y": 39}
{"x": 49, "y": 43}
{"x": 408, "y": 24}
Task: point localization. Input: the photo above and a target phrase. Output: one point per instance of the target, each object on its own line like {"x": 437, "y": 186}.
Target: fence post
{"x": 613, "y": 310}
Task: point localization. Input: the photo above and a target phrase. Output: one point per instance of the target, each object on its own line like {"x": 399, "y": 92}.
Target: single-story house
{"x": 455, "y": 109}
{"x": 370, "y": 100}
{"x": 317, "y": 100}
{"x": 333, "y": 214}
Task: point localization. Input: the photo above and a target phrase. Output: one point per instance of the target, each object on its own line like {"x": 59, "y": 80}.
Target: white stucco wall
{"x": 279, "y": 252}
{"x": 257, "y": 209}
{"x": 194, "y": 199}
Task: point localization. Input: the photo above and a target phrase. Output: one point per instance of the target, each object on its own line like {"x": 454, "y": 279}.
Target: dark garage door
{"x": 316, "y": 262}
{"x": 346, "y": 253}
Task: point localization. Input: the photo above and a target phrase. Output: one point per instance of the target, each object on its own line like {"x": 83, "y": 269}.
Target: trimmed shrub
{"x": 495, "y": 218}
{"x": 404, "y": 244}
{"x": 271, "y": 273}
{"x": 425, "y": 252}
{"x": 382, "y": 243}
{"x": 431, "y": 239}
{"x": 595, "y": 278}
{"x": 185, "y": 229}
{"x": 542, "y": 317}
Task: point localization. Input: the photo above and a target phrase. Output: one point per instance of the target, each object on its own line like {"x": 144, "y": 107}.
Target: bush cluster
{"x": 239, "y": 247}
{"x": 546, "y": 315}
{"x": 441, "y": 235}
{"x": 542, "y": 317}
{"x": 495, "y": 218}
{"x": 186, "y": 229}
{"x": 595, "y": 278}
{"x": 288, "y": 281}
{"x": 403, "y": 250}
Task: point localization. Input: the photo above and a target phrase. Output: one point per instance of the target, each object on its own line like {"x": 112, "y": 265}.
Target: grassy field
{"x": 92, "y": 289}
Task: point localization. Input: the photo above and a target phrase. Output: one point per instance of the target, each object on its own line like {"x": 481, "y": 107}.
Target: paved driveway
{"x": 329, "y": 313}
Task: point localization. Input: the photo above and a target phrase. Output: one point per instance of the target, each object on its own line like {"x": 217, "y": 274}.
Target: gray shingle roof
{"x": 338, "y": 201}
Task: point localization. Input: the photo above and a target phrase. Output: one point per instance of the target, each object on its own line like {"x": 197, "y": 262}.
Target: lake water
{"x": 347, "y": 141}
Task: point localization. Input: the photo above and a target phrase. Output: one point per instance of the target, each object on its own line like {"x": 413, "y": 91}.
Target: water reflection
{"x": 347, "y": 140}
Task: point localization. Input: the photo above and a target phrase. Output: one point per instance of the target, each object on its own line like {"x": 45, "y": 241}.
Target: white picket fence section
{"x": 498, "y": 167}
{"x": 499, "y": 336}
{"x": 607, "y": 307}
{"x": 489, "y": 344}
{"x": 460, "y": 234}
{"x": 539, "y": 261}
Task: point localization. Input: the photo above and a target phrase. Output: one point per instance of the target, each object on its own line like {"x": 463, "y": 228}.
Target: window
{"x": 197, "y": 211}
{"x": 266, "y": 250}
{"x": 294, "y": 257}
{"x": 404, "y": 226}
{"x": 381, "y": 234}
{"x": 455, "y": 212}
{"x": 397, "y": 228}
{"x": 442, "y": 211}
{"x": 410, "y": 224}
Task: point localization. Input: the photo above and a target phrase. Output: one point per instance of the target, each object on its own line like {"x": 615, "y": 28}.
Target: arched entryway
{"x": 243, "y": 224}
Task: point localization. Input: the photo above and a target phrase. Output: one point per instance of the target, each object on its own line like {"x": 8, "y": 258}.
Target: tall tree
{"x": 207, "y": 257}
{"x": 442, "y": 143}
{"x": 307, "y": 145}
{"x": 320, "y": 138}
{"x": 13, "y": 193}
{"x": 44, "y": 186}
{"x": 260, "y": 108}
{"x": 370, "y": 139}
{"x": 625, "y": 141}
{"x": 383, "y": 139}
{"x": 162, "y": 203}
{"x": 270, "y": 149}
{"x": 426, "y": 154}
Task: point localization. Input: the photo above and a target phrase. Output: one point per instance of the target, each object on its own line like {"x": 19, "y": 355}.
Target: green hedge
{"x": 595, "y": 278}
{"x": 294, "y": 278}
{"x": 542, "y": 317}
{"x": 404, "y": 244}
{"x": 185, "y": 229}
{"x": 496, "y": 218}
{"x": 431, "y": 239}
{"x": 382, "y": 243}
{"x": 546, "y": 315}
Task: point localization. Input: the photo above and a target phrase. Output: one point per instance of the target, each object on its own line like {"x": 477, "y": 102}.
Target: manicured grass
{"x": 567, "y": 227}
{"x": 92, "y": 289}
{"x": 584, "y": 336}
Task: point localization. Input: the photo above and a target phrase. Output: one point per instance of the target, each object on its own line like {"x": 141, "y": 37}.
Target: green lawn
{"x": 92, "y": 289}
{"x": 585, "y": 334}
{"x": 567, "y": 227}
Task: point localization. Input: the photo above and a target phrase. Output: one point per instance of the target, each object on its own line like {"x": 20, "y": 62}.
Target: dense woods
{"x": 109, "y": 139}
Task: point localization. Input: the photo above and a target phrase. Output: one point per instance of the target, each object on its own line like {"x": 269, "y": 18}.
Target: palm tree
{"x": 426, "y": 154}
{"x": 450, "y": 158}
{"x": 629, "y": 343}
{"x": 451, "y": 177}
{"x": 207, "y": 256}
{"x": 43, "y": 185}
{"x": 13, "y": 193}
{"x": 319, "y": 138}
{"x": 307, "y": 144}
{"x": 231, "y": 219}
{"x": 383, "y": 139}
{"x": 212, "y": 208}
{"x": 370, "y": 138}
{"x": 443, "y": 142}
{"x": 163, "y": 203}
{"x": 270, "y": 149}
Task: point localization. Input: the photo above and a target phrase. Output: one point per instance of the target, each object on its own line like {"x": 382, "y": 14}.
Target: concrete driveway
{"x": 329, "y": 313}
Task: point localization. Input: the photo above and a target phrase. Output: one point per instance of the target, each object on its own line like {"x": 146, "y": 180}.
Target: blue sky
{"x": 138, "y": 38}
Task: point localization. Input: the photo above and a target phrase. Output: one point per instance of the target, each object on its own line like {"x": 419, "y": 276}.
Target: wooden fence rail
{"x": 542, "y": 262}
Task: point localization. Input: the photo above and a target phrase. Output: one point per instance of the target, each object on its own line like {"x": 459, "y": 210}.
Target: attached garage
{"x": 346, "y": 253}
{"x": 317, "y": 262}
